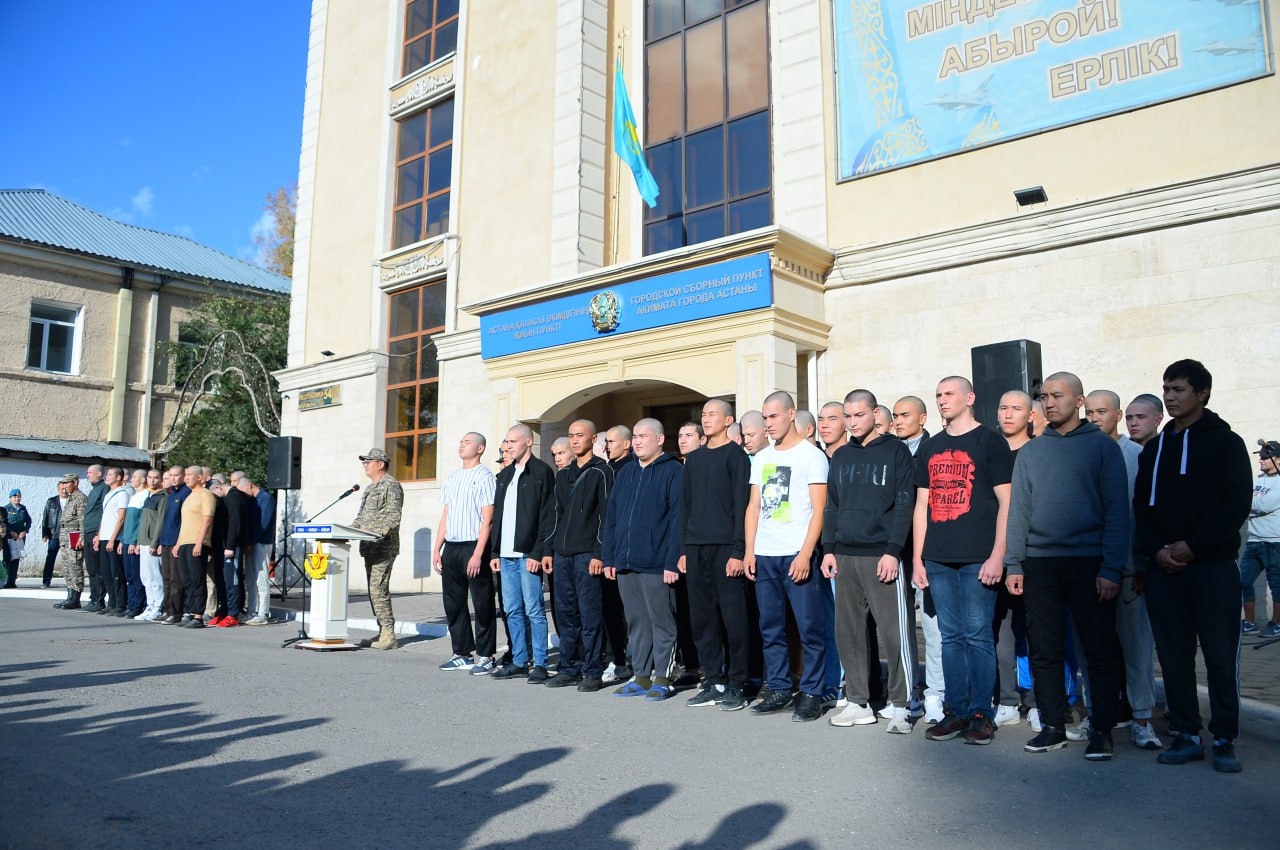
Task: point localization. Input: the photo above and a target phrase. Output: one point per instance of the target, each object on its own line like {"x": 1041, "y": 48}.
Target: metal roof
{"x": 39, "y": 216}
{"x": 87, "y": 449}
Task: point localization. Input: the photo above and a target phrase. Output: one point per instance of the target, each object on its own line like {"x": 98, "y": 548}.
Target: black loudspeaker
{"x": 1000, "y": 367}
{"x": 284, "y": 463}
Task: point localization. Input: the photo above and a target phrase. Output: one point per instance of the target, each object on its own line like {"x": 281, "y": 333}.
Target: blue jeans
{"x": 526, "y": 616}
{"x": 774, "y": 589}
{"x": 1259, "y": 557}
{"x": 966, "y": 608}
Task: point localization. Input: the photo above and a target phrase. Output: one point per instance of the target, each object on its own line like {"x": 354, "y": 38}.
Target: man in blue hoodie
{"x": 1191, "y": 499}
{"x": 641, "y": 552}
{"x": 1067, "y": 543}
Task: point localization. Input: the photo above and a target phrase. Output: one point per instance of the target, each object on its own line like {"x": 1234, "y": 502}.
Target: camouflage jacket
{"x": 380, "y": 507}
{"x": 73, "y": 516}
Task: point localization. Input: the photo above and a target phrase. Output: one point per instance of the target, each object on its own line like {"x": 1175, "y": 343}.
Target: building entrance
{"x": 625, "y": 404}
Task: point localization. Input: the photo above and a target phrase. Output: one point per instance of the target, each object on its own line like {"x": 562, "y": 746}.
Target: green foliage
{"x": 222, "y": 432}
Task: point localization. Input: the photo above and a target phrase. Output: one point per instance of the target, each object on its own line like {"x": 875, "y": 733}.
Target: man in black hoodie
{"x": 572, "y": 556}
{"x": 1191, "y": 498}
{"x": 870, "y": 501}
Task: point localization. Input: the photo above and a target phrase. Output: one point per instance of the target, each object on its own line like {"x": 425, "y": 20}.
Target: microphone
{"x": 354, "y": 488}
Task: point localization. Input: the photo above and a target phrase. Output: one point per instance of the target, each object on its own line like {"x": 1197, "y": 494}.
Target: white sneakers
{"x": 898, "y": 723}
{"x": 1079, "y": 732}
{"x": 1144, "y": 737}
{"x": 1008, "y": 715}
{"x": 933, "y": 712}
{"x": 854, "y": 715}
{"x": 1033, "y": 718}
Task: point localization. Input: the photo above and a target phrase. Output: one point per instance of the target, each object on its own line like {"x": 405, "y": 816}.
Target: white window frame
{"x": 76, "y": 325}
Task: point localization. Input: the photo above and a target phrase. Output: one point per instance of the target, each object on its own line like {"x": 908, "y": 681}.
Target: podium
{"x": 327, "y": 565}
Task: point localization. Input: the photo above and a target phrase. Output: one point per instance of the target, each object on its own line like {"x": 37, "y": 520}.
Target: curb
{"x": 403, "y": 629}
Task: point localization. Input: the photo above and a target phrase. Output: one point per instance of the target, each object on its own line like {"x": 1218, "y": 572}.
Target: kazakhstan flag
{"x": 626, "y": 140}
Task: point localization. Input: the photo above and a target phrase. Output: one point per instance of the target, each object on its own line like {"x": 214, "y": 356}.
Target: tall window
{"x": 52, "y": 342}
{"x": 424, "y": 165}
{"x": 430, "y": 32}
{"x": 706, "y": 119}
{"x": 413, "y": 381}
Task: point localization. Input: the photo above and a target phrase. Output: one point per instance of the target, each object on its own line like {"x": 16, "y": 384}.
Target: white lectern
{"x": 326, "y": 564}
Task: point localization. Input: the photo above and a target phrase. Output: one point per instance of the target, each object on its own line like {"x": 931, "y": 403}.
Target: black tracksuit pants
{"x": 718, "y": 614}
{"x": 456, "y": 585}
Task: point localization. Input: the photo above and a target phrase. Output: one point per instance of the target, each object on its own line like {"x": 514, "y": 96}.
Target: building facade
{"x": 851, "y": 193}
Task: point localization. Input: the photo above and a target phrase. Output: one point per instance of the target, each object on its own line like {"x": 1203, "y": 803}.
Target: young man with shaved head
{"x": 883, "y": 417}
{"x": 1142, "y": 418}
{"x": 783, "y": 526}
{"x": 831, "y": 429}
{"x": 461, "y": 559}
{"x": 1102, "y": 408}
{"x": 754, "y": 435}
{"x": 1068, "y": 542}
{"x": 716, "y": 489}
{"x": 962, "y": 482}
{"x": 909, "y": 417}
{"x": 1014, "y": 415}
{"x": 523, "y": 513}
{"x": 640, "y": 554}
{"x": 807, "y": 425}
{"x": 560, "y": 452}
{"x": 571, "y": 553}
{"x": 618, "y": 447}
{"x": 195, "y": 537}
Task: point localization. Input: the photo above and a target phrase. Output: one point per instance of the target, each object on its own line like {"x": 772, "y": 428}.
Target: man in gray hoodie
{"x": 1068, "y": 543}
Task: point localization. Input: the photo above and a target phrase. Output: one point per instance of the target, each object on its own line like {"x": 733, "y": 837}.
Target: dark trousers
{"x": 192, "y": 568}
{"x": 456, "y": 584}
{"x": 1050, "y": 587}
{"x": 135, "y": 593}
{"x": 233, "y": 582}
{"x": 774, "y": 591}
{"x": 174, "y": 591}
{"x": 50, "y": 558}
{"x": 213, "y": 569}
{"x": 111, "y": 568}
{"x": 614, "y": 617}
{"x": 10, "y": 565}
{"x": 578, "y": 616}
{"x": 97, "y": 590}
{"x": 1200, "y": 604}
{"x": 717, "y": 614}
{"x": 686, "y": 647}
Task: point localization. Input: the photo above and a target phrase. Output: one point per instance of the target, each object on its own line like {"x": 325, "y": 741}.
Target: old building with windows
{"x": 851, "y": 193}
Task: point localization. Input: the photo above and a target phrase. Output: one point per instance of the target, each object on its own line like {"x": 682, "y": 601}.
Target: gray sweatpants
{"x": 650, "y": 607}
{"x": 858, "y": 591}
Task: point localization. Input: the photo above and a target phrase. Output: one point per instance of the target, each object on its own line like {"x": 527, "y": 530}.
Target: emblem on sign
{"x": 605, "y": 308}
{"x": 318, "y": 563}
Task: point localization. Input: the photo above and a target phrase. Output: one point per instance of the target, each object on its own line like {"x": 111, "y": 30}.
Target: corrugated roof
{"x": 36, "y": 215}
{"x": 72, "y": 448}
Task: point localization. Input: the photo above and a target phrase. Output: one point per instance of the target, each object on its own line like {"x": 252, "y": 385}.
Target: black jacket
{"x": 535, "y": 508}
{"x": 642, "y": 522}
{"x": 1195, "y": 485}
{"x": 582, "y": 494}
{"x": 870, "y": 498}
{"x": 242, "y": 520}
{"x": 717, "y": 487}
{"x": 51, "y": 520}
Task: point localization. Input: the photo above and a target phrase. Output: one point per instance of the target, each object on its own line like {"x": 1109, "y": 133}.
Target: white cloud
{"x": 144, "y": 201}
{"x": 261, "y": 228}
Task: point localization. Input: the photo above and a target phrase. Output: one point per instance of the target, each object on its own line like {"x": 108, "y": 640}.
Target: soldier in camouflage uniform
{"x": 380, "y": 508}
{"x": 71, "y": 561}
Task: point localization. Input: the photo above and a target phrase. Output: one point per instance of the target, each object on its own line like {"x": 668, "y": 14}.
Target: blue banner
{"x": 732, "y": 286}
{"x": 918, "y": 80}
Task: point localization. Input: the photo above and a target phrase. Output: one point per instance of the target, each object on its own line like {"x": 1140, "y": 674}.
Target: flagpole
{"x": 617, "y": 163}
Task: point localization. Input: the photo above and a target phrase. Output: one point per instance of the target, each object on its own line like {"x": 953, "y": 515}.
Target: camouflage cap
{"x": 69, "y": 478}
{"x": 376, "y": 454}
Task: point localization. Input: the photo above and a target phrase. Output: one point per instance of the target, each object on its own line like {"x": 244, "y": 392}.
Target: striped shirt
{"x": 467, "y": 492}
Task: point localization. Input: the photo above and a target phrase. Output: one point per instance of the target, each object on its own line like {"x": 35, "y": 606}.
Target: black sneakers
{"x": 510, "y": 671}
{"x": 538, "y": 675}
{"x": 949, "y": 727}
{"x": 732, "y": 700}
{"x": 1183, "y": 749}
{"x": 981, "y": 730}
{"x": 590, "y": 684}
{"x": 1224, "y": 756}
{"x": 808, "y": 707}
{"x": 775, "y": 701}
{"x": 1048, "y": 738}
{"x": 1100, "y": 747}
{"x": 562, "y": 680}
{"x": 709, "y": 695}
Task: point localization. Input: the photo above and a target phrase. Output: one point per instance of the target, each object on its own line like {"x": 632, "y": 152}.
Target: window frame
{"x": 423, "y": 335}
{"x": 425, "y": 156}
{"x": 684, "y": 211}
{"x": 76, "y": 325}
{"x": 428, "y": 33}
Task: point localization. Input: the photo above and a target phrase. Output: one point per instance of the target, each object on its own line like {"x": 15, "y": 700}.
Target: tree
{"x": 276, "y": 245}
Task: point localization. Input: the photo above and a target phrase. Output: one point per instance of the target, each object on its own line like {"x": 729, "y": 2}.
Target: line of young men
{"x": 154, "y": 543}
{"x": 1054, "y": 531}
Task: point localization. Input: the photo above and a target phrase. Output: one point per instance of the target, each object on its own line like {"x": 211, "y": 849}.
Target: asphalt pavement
{"x": 122, "y": 734}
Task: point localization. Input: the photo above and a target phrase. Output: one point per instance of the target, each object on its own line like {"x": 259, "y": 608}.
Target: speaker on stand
{"x": 1000, "y": 367}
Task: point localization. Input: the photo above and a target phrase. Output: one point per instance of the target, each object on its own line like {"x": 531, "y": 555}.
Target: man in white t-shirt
{"x": 111, "y": 564}
{"x": 783, "y": 526}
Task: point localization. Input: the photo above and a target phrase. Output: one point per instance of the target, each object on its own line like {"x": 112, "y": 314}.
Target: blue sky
{"x": 179, "y": 117}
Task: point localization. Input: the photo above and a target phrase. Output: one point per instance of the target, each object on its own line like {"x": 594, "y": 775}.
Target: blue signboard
{"x": 732, "y": 286}
{"x": 918, "y": 80}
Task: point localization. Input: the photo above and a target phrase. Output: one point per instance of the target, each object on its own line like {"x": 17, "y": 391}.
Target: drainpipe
{"x": 120, "y": 368}
{"x": 149, "y": 366}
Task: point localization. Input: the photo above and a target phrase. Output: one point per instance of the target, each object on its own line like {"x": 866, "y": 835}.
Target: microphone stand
{"x": 331, "y": 504}
{"x": 302, "y": 615}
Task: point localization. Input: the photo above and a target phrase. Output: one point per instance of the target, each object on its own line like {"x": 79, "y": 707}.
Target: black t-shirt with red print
{"x": 961, "y": 474}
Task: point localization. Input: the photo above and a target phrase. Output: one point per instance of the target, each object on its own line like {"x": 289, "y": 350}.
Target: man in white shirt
{"x": 111, "y": 564}
{"x": 783, "y": 526}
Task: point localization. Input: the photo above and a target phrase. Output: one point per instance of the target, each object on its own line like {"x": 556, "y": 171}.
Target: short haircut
{"x": 1191, "y": 371}
{"x": 1151, "y": 401}
{"x": 177, "y": 467}
{"x": 837, "y": 405}
{"x": 479, "y": 438}
{"x": 244, "y": 479}
{"x": 1022, "y": 397}
{"x": 1110, "y": 396}
{"x": 622, "y": 432}
{"x": 804, "y": 419}
{"x": 957, "y": 379}
{"x": 888, "y": 414}
{"x": 752, "y": 419}
{"x": 199, "y": 469}
{"x": 206, "y": 471}
{"x": 591, "y": 426}
{"x": 118, "y": 470}
{"x": 866, "y": 397}
{"x": 734, "y": 430}
{"x": 521, "y": 429}
{"x": 725, "y": 407}
{"x": 156, "y": 471}
{"x": 560, "y": 442}
{"x": 237, "y": 474}
{"x": 694, "y": 425}
{"x": 1070, "y": 379}
{"x": 781, "y": 397}
{"x": 96, "y": 466}
{"x": 648, "y": 422}
{"x": 914, "y": 401}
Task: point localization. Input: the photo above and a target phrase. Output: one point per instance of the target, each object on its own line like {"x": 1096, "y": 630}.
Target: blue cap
{"x": 14, "y": 492}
